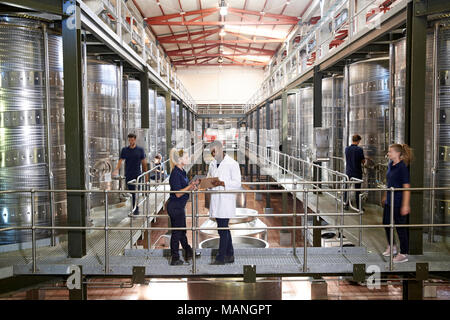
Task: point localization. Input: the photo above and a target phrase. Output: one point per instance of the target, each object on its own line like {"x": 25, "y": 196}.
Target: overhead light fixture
{"x": 262, "y": 13}
{"x": 288, "y": 2}
{"x": 220, "y": 59}
{"x": 158, "y": 3}
{"x": 222, "y": 32}
{"x": 223, "y": 8}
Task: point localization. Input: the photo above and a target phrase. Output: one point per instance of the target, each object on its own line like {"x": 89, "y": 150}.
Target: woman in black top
{"x": 400, "y": 156}
{"x": 177, "y": 202}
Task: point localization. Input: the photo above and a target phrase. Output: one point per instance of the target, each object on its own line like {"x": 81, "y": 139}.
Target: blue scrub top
{"x": 353, "y": 156}
{"x": 178, "y": 180}
{"x": 133, "y": 158}
{"x": 397, "y": 176}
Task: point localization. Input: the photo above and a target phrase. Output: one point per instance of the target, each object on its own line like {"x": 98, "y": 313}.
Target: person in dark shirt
{"x": 134, "y": 157}
{"x": 177, "y": 202}
{"x": 158, "y": 170}
{"x": 400, "y": 157}
{"x": 354, "y": 158}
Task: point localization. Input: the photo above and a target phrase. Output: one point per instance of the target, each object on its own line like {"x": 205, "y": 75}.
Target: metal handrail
{"x": 194, "y": 228}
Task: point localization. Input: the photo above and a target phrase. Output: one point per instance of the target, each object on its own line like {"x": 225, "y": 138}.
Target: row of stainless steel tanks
{"x": 32, "y": 146}
{"x": 368, "y": 99}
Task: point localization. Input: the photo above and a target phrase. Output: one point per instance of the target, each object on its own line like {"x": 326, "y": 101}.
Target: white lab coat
{"x": 223, "y": 205}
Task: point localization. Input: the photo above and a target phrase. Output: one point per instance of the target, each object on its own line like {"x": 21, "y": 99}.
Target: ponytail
{"x": 406, "y": 153}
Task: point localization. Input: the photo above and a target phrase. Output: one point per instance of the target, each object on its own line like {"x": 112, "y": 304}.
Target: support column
{"x": 74, "y": 127}
{"x": 268, "y": 209}
{"x": 317, "y": 123}
{"x": 258, "y": 176}
{"x": 319, "y": 289}
{"x": 180, "y": 116}
{"x": 317, "y": 114}
{"x": 35, "y": 294}
{"x": 169, "y": 146}
{"x": 416, "y": 28}
{"x": 203, "y": 142}
{"x": 247, "y": 137}
{"x": 145, "y": 112}
{"x": 188, "y": 121}
{"x": 412, "y": 289}
{"x": 285, "y": 235}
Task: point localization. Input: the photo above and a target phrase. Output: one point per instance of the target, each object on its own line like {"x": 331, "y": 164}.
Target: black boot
{"x": 188, "y": 254}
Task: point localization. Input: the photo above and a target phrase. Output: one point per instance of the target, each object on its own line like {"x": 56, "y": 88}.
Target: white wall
{"x": 221, "y": 85}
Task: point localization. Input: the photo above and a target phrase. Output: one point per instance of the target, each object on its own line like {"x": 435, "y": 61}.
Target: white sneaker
{"x": 387, "y": 253}
{"x": 401, "y": 258}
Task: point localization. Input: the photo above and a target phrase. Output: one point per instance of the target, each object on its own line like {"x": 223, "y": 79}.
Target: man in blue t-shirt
{"x": 354, "y": 158}
{"x": 134, "y": 156}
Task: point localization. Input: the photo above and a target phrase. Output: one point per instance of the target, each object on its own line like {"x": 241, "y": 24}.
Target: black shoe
{"x": 177, "y": 262}
{"x": 188, "y": 254}
{"x": 346, "y": 207}
{"x": 218, "y": 262}
{"x": 229, "y": 259}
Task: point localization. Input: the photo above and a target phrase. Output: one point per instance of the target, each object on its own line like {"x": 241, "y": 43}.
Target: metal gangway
{"x": 107, "y": 258}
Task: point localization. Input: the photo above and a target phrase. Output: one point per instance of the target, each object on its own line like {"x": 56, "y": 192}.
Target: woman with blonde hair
{"x": 177, "y": 202}
{"x": 400, "y": 156}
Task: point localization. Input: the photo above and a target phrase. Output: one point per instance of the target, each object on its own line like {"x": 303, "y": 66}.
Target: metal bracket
{"x": 250, "y": 274}
{"x": 359, "y": 272}
{"x": 138, "y": 275}
{"x": 422, "y": 271}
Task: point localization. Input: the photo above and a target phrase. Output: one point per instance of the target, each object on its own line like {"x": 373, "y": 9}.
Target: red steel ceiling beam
{"x": 293, "y": 20}
{"x": 221, "y": 64}
{"x": 242, "y": 17}
{"x": 216, "y": 54}
{"x": 166, "y": 19}
{"x": 175, "y": 37}
{"x": 223, "y": 41}
{"x": 203, "y": 48}
{"x": 260, "y": 18}
{"x": 266, "y": 51}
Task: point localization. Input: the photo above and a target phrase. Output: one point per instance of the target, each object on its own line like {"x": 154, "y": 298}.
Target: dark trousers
{"x": 225, "y": 243}
{"x": 403, "y": 233}
{"x": 357, "y": 193}
{"x": 133, "y": 195}
{"x": 177, "y": 220}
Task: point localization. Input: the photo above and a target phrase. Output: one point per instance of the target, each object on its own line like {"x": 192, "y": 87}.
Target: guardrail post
{"x": 294, "y": 231}
{"x": 360, "y": 219}
{"x": 33, "y": 232}
{"x": 391, "y": 232}
{"x": 305, "y": 231}
{"x": 194, "y": 231}
{"x": 341, "y": 230}
{"x": 106, "y": 234}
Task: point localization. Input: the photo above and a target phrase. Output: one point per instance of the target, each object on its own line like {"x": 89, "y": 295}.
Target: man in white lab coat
{"x": 222, "y": 206}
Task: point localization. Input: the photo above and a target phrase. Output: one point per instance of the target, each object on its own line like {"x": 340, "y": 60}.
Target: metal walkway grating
{"x": 272, "y": 261}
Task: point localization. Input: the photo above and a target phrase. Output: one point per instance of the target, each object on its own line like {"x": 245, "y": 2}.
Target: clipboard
{"x": 207, "y": 183}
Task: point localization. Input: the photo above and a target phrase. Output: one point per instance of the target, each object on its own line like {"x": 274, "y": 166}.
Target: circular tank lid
{"x": 370, "y": 60}
{"x": 238, "y": 242}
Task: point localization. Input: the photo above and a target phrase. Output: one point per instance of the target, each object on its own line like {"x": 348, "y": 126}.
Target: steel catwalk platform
{"x": 274, "y": 261}
{"x": 373, "y": 239}
{"x": 95, "y": 239}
